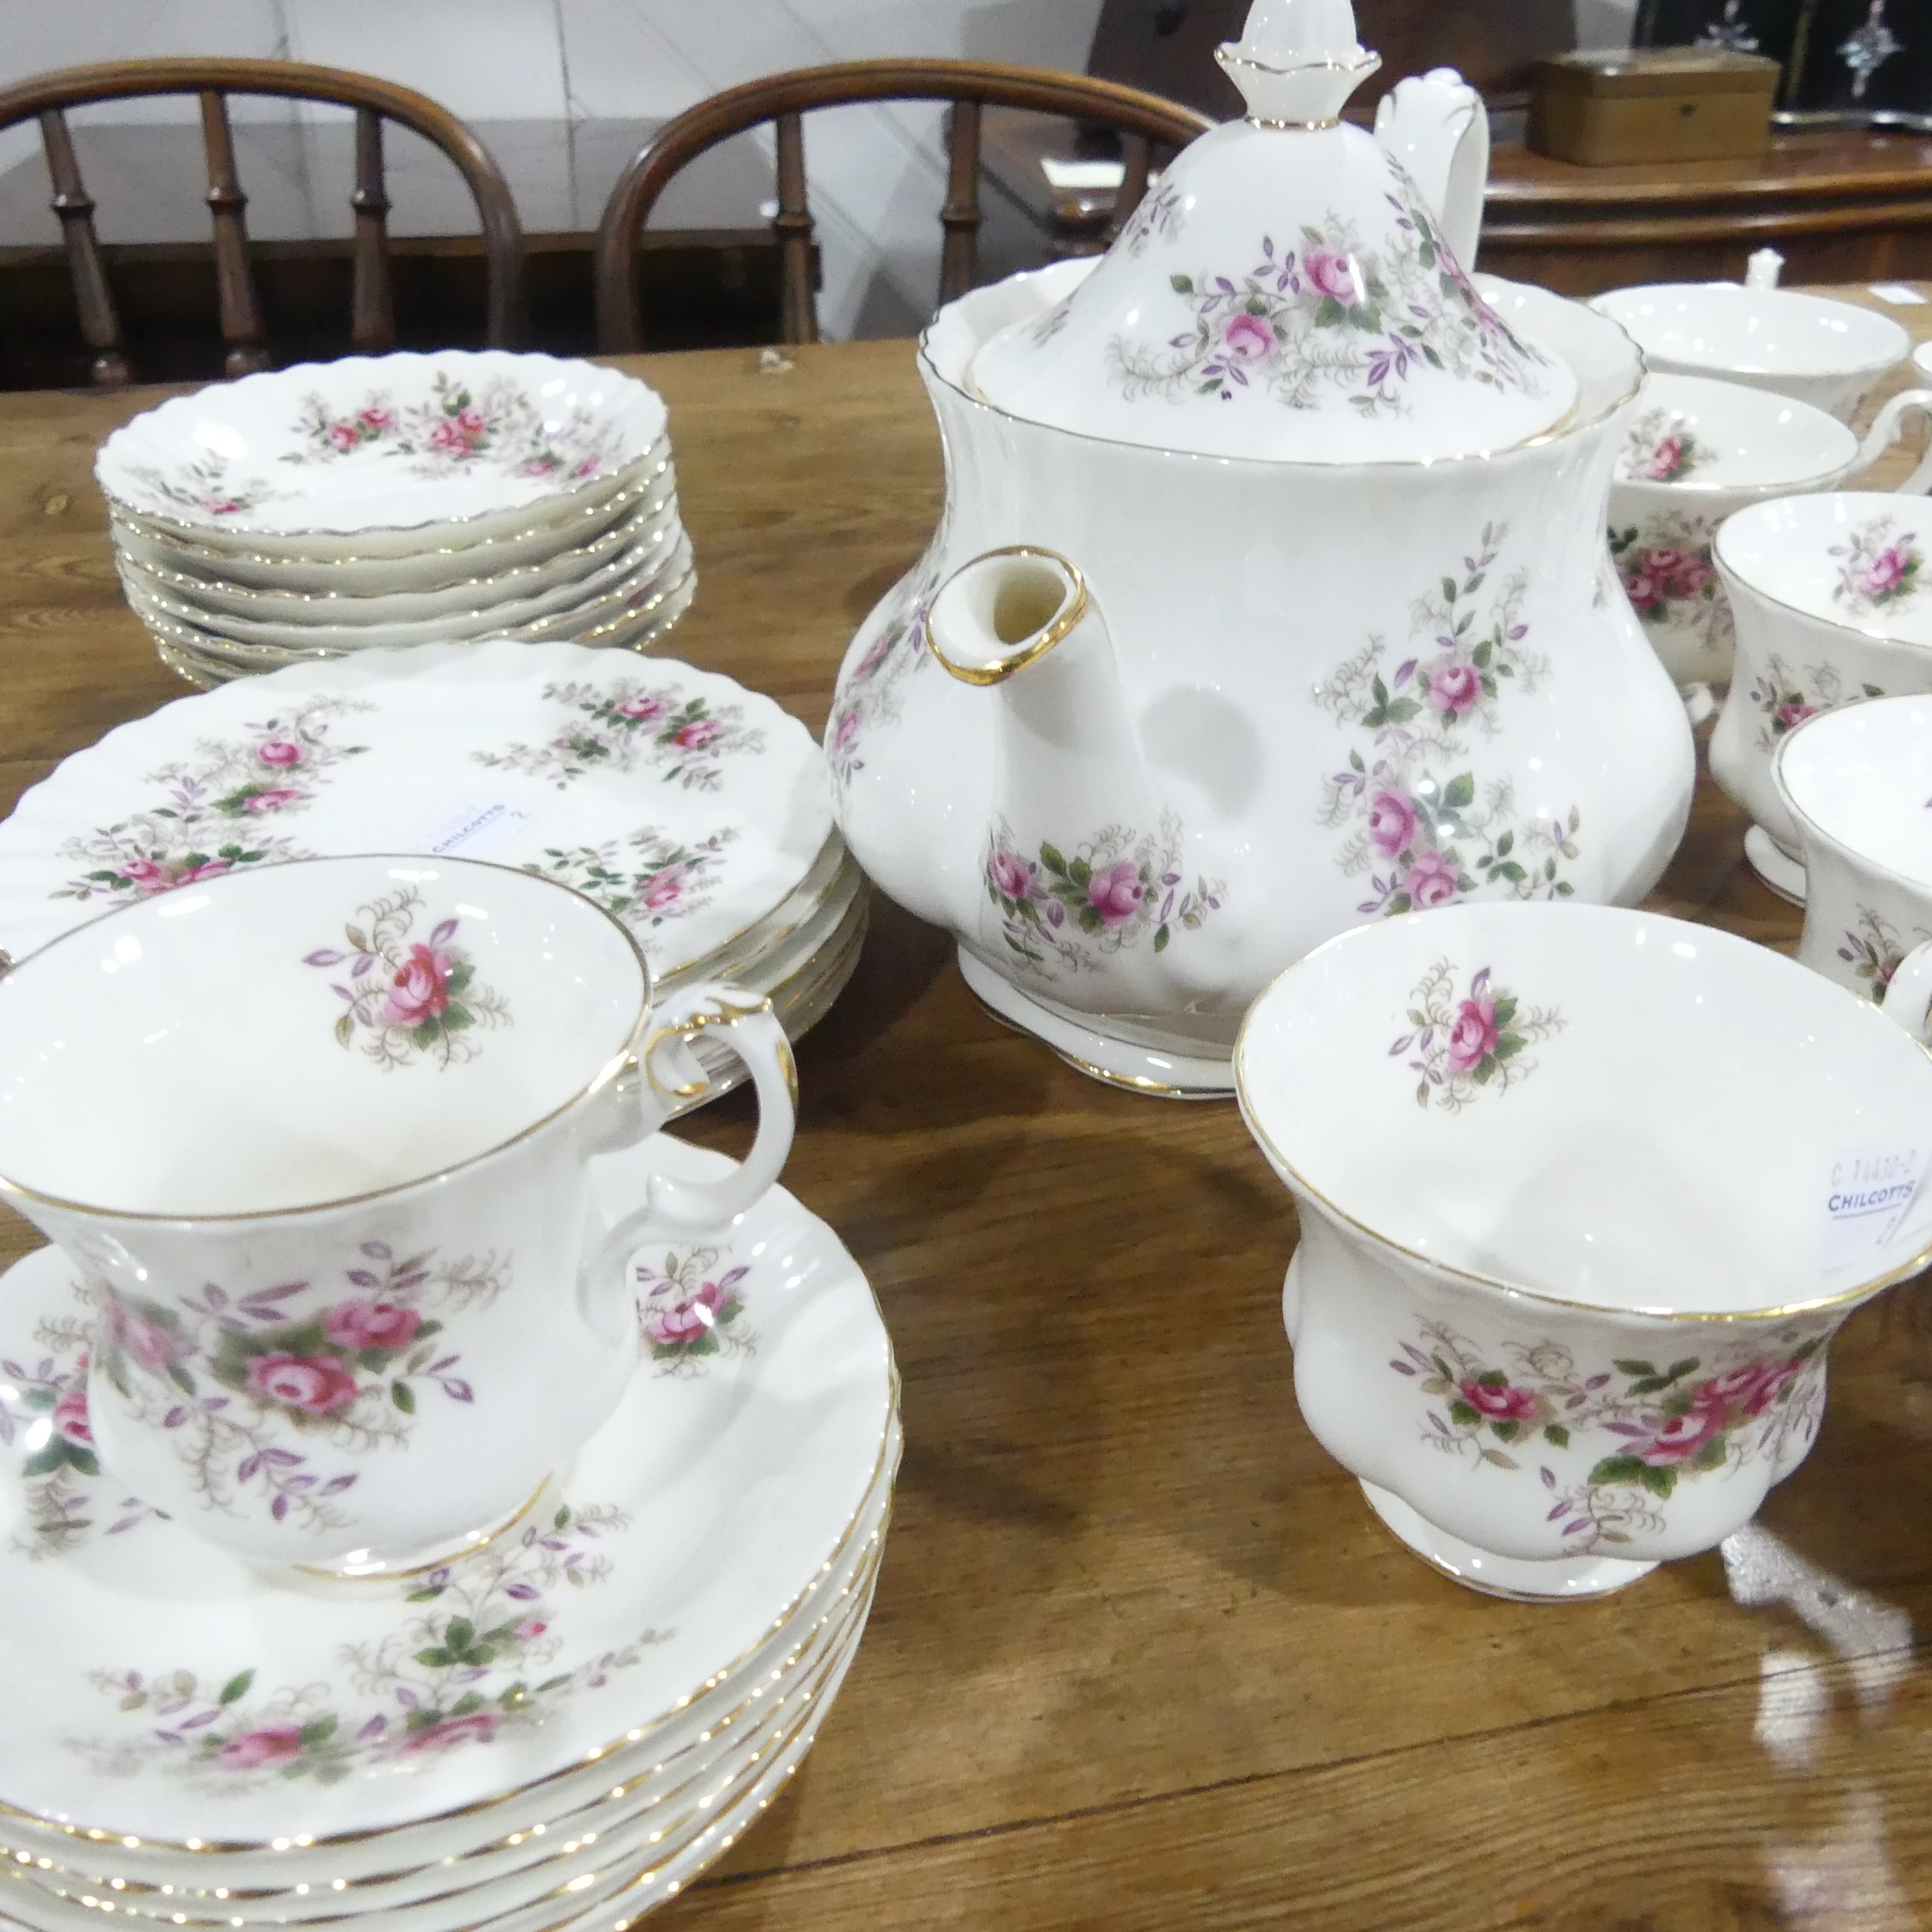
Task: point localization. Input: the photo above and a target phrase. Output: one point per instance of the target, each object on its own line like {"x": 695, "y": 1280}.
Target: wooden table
{"x": 1141, "y": 1656}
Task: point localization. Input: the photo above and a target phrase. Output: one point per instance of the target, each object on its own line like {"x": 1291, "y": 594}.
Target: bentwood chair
{"x": 1147, "y": 121}
{"x": 46, "y": 98}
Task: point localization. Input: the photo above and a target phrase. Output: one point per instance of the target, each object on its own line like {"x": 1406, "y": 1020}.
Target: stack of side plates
{"x": 552, "y": 1733}
{"x": 381, "y": 502}
{"x": 694, "y": 810}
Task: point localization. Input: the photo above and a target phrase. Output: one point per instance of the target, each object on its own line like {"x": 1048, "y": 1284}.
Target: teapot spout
{"x": 1436, "y": 126}
{"x": 1022, "y": 624}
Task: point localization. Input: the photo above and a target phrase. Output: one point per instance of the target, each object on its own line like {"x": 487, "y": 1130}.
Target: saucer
{"x": 1784, "y": 875}
{"x": 686, "y": 804}
{"x": 233, "y": 1708}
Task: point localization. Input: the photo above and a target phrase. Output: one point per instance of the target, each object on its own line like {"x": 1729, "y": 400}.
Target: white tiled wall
{"x": 562, "y": 91}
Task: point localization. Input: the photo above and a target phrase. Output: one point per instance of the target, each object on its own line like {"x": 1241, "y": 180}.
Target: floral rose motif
{"x": 643, "y": 708}
{"x": 1250, "y": 337}
{"x": 354, "y": 1326}
{"x": 274, "y": 1744}
{"x": 845, "y": 732}
{"x": 480, "y": 1726}
{"x": 1473, "y": 1036}
{"x": 315, "y": 1384}
{"x": 1881, "y": 574}
{"x": 1333, "y": 275}
{"x": 1499, "y": 1399}
{"x": 1678, "y": 1438}
{"x": 1116, "y": 893}
{"x": 1454, "y": 687}
{"x": 1753, "y": 1388}
{"x": 1665, "y": 460}
{"x": 1011, "y": 873}
{"x": 272, "y": 798}
{"x": 1790, "y": 716}
{"x": 279, "y": 752}
{"x": 420, "y": 991}
{"x": 1432, "y": 881}
{"x": 671, "y": 1323}
{"x": 698, "y": 733}
{"x": 1880, "y": 565}
{"x": 153, "y": 1346}
{"x": 1392, "y": 822}
{"x": 665, "y": 888}
{"x": 1644, "y": 591}
{"x": 70, "y": 1416}
{"x": 530, "y": 1629}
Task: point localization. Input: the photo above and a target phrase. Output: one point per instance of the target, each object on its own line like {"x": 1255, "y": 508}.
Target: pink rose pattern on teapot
{"x": 1418, "y": 821}
{"x": 1626, "y": 1434}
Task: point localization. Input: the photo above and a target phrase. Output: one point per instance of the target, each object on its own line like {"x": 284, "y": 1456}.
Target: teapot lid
{"x": 1284, "y": 292}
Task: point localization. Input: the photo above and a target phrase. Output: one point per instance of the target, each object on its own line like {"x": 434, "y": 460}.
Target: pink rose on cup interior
{"x": 644, "y": 709}
{"x": 1677, "y": 1438}
{"x": 420, "y": 990}
{"x": 1885, "y": 571}
{"x": 1250, "y": 337}
{"x": 1454, "y": 687}
{"x": 1497, "y": 1399}
{"x": 665, "y": 888}
{"x": 1432, "y": 881}
{"x": 357, "y": 1325}
{"x": 274, "y": 1744}
{"x": 1392, "y": 822}
{"x": 695, "y": 735}
{"x": 272, "y": 798}
{"x": 70, "y": 1417}
{"x": 1011, "y": 873}
{"x": 315, "y": 1384}
{"x": 1116, "y": 893}
{"x": 1473, "y": 1038}
{"x": 480, "y": 1725}
{"x": 1333, "y": 275}
{"x": 279, "y": 752}
{"x": 669, "y": 1323}
{"x": 1665, "y": 460}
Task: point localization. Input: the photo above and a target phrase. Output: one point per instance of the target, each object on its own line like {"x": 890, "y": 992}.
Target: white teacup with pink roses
{"x": 1574, "y": 1243}
{"x": 1698, "y": 451}
{"x": 316, "y": 1139}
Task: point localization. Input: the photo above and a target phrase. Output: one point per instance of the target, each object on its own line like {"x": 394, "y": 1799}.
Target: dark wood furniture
{"x": 1141, "y": 1658}
{"x": 1840, "y": 207}
{"x": 46, "y": 97}
{"x": 1148, "y": 122}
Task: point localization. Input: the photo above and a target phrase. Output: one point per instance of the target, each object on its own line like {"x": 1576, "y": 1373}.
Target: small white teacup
{"x": 1827, "y": 354}
{"x": 316, "y": 1138}
{"x": 1857, "y": 785}
{"x": 1698, "y": 451}
{"x": 1574, "y": 1242}
{"x": 1832, "y": 600}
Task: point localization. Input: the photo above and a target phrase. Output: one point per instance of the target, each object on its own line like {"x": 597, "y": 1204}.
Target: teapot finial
{"x": 1298, "y": 61}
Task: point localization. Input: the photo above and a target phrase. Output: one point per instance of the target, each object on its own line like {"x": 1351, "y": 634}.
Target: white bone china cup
{"x": 316, "y": 1139}
{"x": 1857, "y": 785}
{"x": 1574, "y": 1241}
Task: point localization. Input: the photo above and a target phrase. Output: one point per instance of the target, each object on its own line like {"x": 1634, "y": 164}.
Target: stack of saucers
{"x": 695, "y": 810}
{"x": 555, "y": 1731}
{"x": 376, "y": 503}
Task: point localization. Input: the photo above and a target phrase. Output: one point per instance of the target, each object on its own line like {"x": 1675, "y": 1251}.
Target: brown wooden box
{"x": 1653, "y": 104}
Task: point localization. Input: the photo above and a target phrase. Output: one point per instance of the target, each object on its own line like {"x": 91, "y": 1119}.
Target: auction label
{"x": 484, "y": 825}
{"x": 1872, "y": 1190}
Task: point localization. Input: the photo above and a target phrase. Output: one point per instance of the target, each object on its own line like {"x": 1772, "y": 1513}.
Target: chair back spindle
{"x": 46, "y": 97}
{"x": 100, "y": 329}
{"x": 782, "y": 100}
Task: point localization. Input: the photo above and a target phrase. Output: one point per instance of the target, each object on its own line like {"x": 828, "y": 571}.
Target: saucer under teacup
{"x": 704, "y": 1518}
{"x": 1832, "y": 604}
{"x": 1584, "y": 1194}
{"x": 1827, "y": 354}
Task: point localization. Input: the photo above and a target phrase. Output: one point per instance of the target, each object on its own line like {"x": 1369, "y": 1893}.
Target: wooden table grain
{"x": 1141, "y": 1657}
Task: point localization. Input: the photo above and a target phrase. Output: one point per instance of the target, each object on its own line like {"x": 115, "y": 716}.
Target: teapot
{"x": 1271, "y": 594}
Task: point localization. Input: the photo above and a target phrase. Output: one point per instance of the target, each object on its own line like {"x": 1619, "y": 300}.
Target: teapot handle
{"x": 1886, "y": 431}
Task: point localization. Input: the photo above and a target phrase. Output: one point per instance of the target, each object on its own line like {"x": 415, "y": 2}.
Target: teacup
{"x": 1698, "y": 451}
{"x": 1827, "y": 354}
{"x": 316, "y": 1138}
{"x": 1857, "y": 785}
{"x": 1573, "y": 1241}
{"x": 1832, "y": 602}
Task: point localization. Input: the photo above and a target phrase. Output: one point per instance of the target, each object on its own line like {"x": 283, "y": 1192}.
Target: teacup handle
{"x": 752, "y": 1031}
{"x": 1908, "y": 996}
{"x": 1886, "y": 431}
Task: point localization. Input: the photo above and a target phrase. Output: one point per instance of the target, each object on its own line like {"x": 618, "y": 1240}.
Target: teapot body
{"x": 1356, "y": 691}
